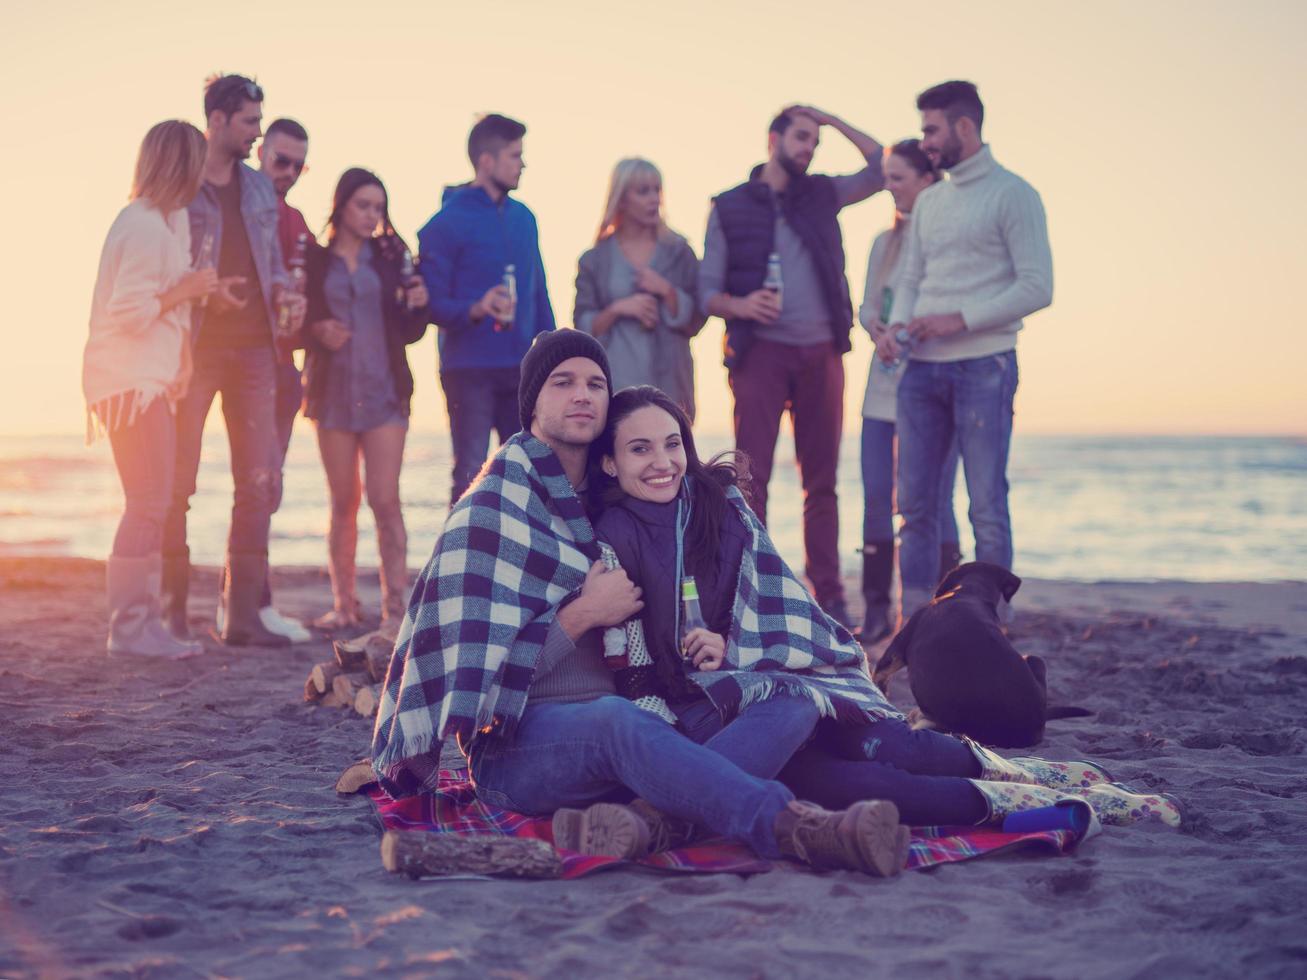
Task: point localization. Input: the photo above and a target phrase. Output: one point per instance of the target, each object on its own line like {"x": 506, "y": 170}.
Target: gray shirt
{"x": 636, "y": 356}
{"x": 804, "y": 318}
{"x": 568, "y": 672}
{"x": 359, "y": 393}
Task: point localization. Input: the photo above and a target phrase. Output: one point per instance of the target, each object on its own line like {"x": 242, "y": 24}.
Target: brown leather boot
{"x": 866, "y": 837}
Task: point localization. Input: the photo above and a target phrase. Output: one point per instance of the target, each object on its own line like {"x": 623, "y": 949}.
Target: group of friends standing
{"x": 605, "y": 626}
{"x": 241, "y": 282}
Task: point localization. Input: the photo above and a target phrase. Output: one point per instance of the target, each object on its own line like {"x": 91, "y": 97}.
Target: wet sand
{"x": 161, "y": 820}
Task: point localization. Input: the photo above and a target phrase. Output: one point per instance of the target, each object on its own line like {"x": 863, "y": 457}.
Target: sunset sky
{"x": 1162, "y": 137}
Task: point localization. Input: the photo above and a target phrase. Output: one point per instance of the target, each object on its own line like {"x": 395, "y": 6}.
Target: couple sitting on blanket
{"x": 555, "y": 657}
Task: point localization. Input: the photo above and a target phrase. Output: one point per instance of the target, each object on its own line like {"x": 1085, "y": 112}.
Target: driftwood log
{"x": 416, "y": 853}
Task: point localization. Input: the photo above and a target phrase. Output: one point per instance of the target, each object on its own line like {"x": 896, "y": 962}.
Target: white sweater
{"x": 134, "y": 347}
{"x": 979, "y": 247}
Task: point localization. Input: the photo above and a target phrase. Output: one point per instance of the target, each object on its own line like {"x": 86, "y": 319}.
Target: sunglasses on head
{"x": 282, "y": 162}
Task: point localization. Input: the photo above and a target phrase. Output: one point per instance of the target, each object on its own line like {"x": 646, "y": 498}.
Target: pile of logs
{"x": 354, "y": 678}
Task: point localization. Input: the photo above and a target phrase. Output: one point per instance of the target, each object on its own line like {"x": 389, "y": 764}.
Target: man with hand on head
{"x": 977, "y": 263}
{"x": 784, "y": 347}
{"x": 479, "y": 242}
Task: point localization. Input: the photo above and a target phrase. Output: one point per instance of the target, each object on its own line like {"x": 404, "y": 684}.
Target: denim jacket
{"x": 259, "y": 206}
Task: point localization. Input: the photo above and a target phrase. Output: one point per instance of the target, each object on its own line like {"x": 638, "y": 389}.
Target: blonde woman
{"x": 137, "y": 365}
{"x": 635, "y": 290}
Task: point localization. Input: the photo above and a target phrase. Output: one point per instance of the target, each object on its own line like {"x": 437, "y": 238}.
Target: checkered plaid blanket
{"x": 780, "y": 641}
{"x": 453, "y": 808}
{"x": 515, "y": 545}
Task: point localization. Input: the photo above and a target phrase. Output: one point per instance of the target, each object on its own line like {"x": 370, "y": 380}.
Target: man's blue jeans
{"x": 572, "y": 755}
{"x": 878, "y": 485}
{"x": 478, "y": 400}
{"x": 247, "y": 379}
{"x": 971, "y": 401}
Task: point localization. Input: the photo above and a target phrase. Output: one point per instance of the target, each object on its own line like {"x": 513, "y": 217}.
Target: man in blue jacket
{"x": 466, "y": 249}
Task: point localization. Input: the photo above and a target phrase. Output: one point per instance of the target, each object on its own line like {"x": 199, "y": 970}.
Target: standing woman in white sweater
{"x": 137, "y": 365}
{"x": 908, "y": 172}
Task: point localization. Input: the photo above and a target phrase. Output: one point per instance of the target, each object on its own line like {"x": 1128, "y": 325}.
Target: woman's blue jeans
{"x": 572, "y": 755}
{"x": 878, "y": 455}
{"x": 924, "y": 773}
{"x": 144, "y": 454}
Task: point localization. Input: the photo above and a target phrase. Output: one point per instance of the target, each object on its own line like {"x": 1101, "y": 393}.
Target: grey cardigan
{"x": 660, "y": 356}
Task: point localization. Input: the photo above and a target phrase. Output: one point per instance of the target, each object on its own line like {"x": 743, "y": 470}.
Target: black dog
{"x": 966, "y": 676}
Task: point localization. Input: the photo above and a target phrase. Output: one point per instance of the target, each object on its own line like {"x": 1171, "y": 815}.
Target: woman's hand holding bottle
{"x": 706, "y": 649}
{"x": 638, "y": 306}
{"x": 192, "y": 285}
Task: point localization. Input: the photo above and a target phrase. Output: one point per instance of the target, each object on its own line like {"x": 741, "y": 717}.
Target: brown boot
{"x": 865, "y": 837}
{"x": 604, "y": 829}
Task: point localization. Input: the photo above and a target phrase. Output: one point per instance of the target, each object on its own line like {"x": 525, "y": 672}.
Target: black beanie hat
{"x": 549, "y": 350}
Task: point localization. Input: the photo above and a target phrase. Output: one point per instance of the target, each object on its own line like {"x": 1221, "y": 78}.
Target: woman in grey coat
{"x": 635, "y": 290}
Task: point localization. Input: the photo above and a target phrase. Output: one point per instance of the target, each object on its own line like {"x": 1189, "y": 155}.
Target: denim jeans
{"x": 144, "y": 454}
{"x": 760, "y": 739}
{"x": 572, "y": 755}
{"x": 247, "y": 379}
{"x": 971, "y": 401}
{"x": 878, "y": 485}
{"x": 478, "y": 400}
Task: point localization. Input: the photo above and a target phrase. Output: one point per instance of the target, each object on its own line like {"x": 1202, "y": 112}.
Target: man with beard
{"x": 467, "y": 250}
{"x": 784, "y": 347}
{"x": 977, "y": 262}
{"x": 233, "y": 225}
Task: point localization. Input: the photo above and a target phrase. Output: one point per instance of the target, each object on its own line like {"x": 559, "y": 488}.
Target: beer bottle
{"x": 691, "y": 614}
{"x": 298, "y": 281}
{"x": 773, "y": 282}
{"x": 510, "y": 285}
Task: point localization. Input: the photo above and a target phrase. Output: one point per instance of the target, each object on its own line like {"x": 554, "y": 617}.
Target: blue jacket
{"x": 462, "y": 252}
{"x": 259, "y": 208}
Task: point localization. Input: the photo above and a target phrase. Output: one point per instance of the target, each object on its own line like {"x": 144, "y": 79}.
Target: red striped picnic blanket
{"x": 454, "y": 809}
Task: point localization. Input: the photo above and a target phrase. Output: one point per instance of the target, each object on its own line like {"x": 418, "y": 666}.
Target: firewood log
{"x": 322, "y": 675}
{"x": 378, "y": 653}
{"x": 333, "y": 700}
{"x": 347, "y": 687}
{"x": 356, "y": 777}
{"x": 416, "y": 853}
{"x": 311, "y": 692}
{"x": 367, "y": 699}
{"x": 351, "y": 654}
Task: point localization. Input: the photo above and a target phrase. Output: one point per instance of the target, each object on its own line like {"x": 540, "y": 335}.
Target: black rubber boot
{"x": 877, "y": 575}
{"x": 243, "y": 596}
{"x": 176, "y": 588}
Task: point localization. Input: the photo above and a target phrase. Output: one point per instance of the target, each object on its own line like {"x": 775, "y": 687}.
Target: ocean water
{"x": 1083, "y": 508}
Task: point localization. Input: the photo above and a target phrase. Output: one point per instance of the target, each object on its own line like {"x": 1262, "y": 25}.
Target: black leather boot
{"x": 877, "y": 576}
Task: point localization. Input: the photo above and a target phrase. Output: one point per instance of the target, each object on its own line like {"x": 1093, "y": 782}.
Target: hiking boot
{"x": 602, "y": 830}
{"x": 866, "y": 837}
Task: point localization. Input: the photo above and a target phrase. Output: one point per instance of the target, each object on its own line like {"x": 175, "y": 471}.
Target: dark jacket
{"x": 643, "y": 535}
{"x": 403, "y": 327}
{"x": 747, "y": 213}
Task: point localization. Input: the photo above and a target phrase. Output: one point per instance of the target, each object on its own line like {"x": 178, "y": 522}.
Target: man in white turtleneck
{"x": 977, "y": 263}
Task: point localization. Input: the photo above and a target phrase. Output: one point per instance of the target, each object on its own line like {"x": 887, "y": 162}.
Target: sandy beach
{"x": 179, "y": 819}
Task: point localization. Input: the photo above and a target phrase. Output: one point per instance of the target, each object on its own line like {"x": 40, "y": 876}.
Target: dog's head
{"x": 987, "y": 576}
